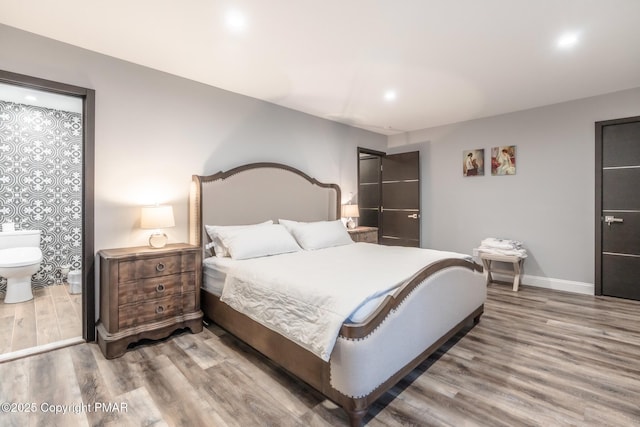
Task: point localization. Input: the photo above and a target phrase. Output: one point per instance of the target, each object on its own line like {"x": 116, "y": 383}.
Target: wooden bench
{"x": 517, "y": 261}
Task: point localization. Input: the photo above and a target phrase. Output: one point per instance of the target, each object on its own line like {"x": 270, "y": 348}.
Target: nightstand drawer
{"x": 155, "y": 287}
{"x": 157, "y": 266}
{"x": 366, "y": 237}
{"x": 364, "y": 234}
{"x": 156, "y": 309}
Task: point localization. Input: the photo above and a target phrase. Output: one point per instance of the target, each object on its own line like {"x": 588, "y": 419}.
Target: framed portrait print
{"x": 473, "y": 162}
{"x": 503, "y": 160}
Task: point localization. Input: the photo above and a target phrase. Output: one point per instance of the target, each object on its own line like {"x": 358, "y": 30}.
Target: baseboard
{"x": 550, "y": 283}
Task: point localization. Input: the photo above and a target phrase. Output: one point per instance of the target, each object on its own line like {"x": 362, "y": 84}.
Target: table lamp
{"x": 350, "y": 212}
{"x": 156, "y": 218}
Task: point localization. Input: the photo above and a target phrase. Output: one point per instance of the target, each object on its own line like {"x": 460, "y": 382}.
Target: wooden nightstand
{"x": 364, "y": 234}
{"x": 147, "y": 293}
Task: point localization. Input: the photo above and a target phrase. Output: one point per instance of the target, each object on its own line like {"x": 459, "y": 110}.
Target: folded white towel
{"x": 522, "y": 253}
{"x": 492, "y": 245}
{"x": 506, "y": 244}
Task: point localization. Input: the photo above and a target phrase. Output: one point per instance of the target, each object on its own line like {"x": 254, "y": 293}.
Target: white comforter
{"x": 306, "y": 296}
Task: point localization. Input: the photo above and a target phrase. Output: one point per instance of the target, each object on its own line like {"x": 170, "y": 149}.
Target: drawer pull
{"x": 160, "y": 288}
{"x": 160, "y": 309}
{"x": 160, "y": 267}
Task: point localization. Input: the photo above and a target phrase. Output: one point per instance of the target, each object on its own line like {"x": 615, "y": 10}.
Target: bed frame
{"x": 262, "y": 191}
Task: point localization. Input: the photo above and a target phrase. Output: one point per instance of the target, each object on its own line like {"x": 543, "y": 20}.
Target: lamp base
{"x": 158, "y": 240}
{"x": 351, "y": 224}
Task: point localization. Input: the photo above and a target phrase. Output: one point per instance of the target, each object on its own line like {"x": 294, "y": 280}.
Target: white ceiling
{"x": 447, "y": 60}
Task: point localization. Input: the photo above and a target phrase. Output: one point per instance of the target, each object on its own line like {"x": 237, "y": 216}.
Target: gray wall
{"x": 548, "y": 204}
{"x": 154, "y": 130}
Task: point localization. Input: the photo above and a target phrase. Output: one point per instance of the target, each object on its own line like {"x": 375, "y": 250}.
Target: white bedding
{"x": 215, "y": 271}
{"x": 307, "y": 295}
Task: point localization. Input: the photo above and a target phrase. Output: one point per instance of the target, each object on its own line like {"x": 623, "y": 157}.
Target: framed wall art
{"x": 473, "y": 162}
{"x": 503, "y": 160}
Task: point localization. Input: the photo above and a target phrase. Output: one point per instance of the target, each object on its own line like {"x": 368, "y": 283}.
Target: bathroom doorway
{"x": 46, "y": 183}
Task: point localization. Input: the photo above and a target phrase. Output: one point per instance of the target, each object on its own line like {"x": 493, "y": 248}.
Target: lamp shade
{"x": 350, "y": 211}
{"x": 155, "y": 217}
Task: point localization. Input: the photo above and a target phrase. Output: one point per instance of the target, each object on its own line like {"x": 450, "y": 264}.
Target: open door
{"x": 69, "y": 113}
{"x": 400, "y": 208}
{"x": 369, "y": 187}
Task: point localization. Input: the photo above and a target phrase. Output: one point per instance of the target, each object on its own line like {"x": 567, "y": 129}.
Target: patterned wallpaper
{"x": 41, "y": 182}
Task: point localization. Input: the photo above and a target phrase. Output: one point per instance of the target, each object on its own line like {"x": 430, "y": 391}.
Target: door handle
{"x": 611, "y": 219}
{"x": 414, "y": 216}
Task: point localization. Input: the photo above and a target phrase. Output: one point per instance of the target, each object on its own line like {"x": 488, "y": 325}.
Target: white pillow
{"x": 253, "y": 242}
{"x": 213, "y": 230}
{"x": 288, "y": 224}
{"x": 318, "y": 235}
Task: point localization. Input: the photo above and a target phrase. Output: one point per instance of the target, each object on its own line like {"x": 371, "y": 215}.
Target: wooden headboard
{"x": 255, "y": 193}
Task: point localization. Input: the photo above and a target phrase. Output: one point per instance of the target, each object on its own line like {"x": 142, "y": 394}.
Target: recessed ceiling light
{"x": 30, "y": 98}
{"x": 390, "y": 95}
{"x": 236, "y": 21}
{"x": 567, "y": 40}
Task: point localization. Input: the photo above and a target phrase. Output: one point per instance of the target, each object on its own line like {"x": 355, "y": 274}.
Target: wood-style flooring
{"x": 52, "y": 315}
{"x": 537, "y": 358}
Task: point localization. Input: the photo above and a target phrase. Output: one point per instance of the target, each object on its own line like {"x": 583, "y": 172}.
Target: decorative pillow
{"x": 318, "y": 235}
{"x": 213, "y": 230}
{"x": 254, "y": 242}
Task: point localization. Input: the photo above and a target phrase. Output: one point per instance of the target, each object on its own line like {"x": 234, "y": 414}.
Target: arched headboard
{"x": 255, "y": 193}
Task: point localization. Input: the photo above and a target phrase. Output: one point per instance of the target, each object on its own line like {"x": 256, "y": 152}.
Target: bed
{"x": 372, "y": 350}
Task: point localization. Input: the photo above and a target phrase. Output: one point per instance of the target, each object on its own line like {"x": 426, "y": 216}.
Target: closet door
{"x": 400, "y": 209}
{"x": 618, "y": 208}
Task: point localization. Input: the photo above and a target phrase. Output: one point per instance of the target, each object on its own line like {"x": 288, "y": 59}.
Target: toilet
{"x": 20, "y": 258}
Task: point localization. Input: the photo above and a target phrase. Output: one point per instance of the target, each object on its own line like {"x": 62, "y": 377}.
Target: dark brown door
{"x": 400, "y": 210}
{"x": 618, "y": 208}
{"x": 369, "y": 192}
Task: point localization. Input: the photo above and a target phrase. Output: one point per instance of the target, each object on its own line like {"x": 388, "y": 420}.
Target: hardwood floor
{"x": 537, "y": 358}
{"x": 52, "y": 315}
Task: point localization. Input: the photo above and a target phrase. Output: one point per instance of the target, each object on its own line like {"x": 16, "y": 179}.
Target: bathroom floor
{"x": 52, "y": 315}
